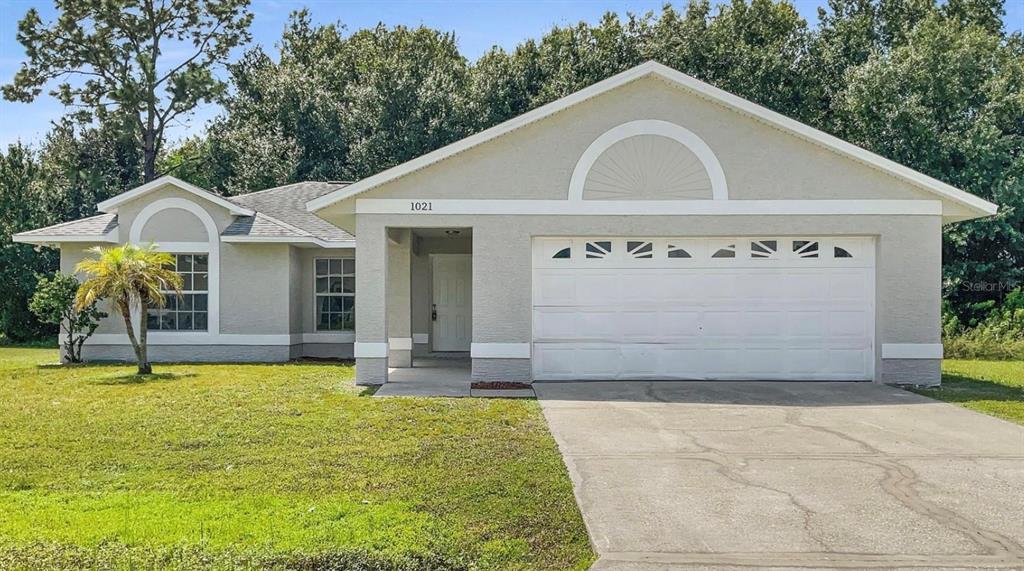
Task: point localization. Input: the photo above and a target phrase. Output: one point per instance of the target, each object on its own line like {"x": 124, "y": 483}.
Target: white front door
{"x": 452, "y": 309}
{"x": 777, "y": 307}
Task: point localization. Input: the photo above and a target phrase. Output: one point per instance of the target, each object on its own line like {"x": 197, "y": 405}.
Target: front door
{"x": 452, "y": 312}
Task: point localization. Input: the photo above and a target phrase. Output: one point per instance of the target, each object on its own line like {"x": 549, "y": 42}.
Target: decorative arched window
{"x": 563, "y": 254}
{"x": 677, "y": 252}
{"x": 805, "y": 248}
{"x": 726, "y": 252}
{"x": 640, "y": 249}
{"x": 600, "y": 249}
{"x": 764, "y": 249}
{"x": 841, "y": 253}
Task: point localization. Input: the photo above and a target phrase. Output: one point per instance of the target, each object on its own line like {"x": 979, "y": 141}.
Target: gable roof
{"x": 272, "y": 215}
{"x": 281, "y": 212}
{"x": 99, "y": 228}
{"x": 111, "y": 204}
{"x": 974, "y": 204}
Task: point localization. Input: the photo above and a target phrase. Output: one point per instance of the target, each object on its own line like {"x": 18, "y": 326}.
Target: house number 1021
{"x": 420, "y": 206}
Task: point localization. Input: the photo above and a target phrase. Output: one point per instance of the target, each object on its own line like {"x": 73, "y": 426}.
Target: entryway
{"x": 429, "y": 377}
{"x": 452, "y": 304}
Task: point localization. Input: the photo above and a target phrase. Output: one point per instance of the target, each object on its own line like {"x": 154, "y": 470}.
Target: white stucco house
{"x": 649, "y": 226}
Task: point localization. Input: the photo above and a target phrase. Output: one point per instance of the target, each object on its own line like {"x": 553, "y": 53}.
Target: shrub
{"x": 998, "y": 335}
{"x": 54, "y": 302}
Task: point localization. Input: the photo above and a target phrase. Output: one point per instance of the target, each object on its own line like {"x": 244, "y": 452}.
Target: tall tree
{"x": 948, "y": 102}
{"x": 109, "y": 56}
{"x": 21, "y": 208}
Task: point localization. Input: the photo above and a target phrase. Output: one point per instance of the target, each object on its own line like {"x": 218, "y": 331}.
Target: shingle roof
{"x": 92, "y": 226}
{"x": 281, "y": 212}
{"x": 277, "y": 213}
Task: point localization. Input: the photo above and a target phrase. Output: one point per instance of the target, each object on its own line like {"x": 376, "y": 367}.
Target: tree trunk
{"x": 140, "y": 350}
{"x": 148, "y": 157}
{"x": 145, "y": 367}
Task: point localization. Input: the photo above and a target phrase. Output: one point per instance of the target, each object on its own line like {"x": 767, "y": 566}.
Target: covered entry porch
{"x": 425, "y": 312}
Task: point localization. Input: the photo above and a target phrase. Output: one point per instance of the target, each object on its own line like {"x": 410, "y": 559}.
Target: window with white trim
{"x": 187, "y": 312}
{"x": 335, "y": 294}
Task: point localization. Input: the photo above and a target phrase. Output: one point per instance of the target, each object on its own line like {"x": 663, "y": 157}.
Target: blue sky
{"x": 478, "y": 25}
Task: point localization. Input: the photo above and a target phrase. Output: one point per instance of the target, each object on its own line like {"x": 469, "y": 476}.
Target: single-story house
{"x": 650, "y": 226}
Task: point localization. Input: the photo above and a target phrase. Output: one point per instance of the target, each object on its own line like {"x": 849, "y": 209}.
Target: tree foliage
{"x": 22, "y": 207}
{"x": 933, "y": 85}
{"x": 54, "y": 303}
{"x": 109, "y": 57}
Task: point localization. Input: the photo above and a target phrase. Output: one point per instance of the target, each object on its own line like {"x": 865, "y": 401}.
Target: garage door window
{"x": 805, "y": 248}
{"x": 764, "y": 249}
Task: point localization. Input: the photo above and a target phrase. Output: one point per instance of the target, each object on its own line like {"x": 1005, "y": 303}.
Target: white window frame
{"x": 172, "y": 293}
{"x": 317, "y": 295}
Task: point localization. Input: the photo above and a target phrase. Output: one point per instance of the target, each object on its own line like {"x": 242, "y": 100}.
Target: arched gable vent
{"x": 648, "y": 160}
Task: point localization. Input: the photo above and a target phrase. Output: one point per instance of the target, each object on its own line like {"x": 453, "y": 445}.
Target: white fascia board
{"x": 111, "y": 204}
{"x": 655, "y": 207}
{"x": 978, "y": 205}
{"x": 289, "y": 240}
{"x": 110, "y": 237}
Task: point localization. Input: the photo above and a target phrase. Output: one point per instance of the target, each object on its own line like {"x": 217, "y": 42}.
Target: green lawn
{"x": 991, "y": 387}
{"x": 245, "y": 466}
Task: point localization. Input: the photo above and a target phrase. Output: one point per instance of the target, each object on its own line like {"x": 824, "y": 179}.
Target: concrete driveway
{"x": 716, "y": 475}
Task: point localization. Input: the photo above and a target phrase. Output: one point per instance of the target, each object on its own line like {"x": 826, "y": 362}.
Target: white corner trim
{"x": 212, "y": 248}
{"x": 912, "y": 350}
{"x": 371, "y": 350}
{"x": 112, "y": 203}
{"x": 421, "y": 338}
{"x": 653, "y": 207}
{"x": 499, "y": 350}
{"x": 682, "y": 135}
{"x": 400, "y": 343}
{"x": 979, "y": 206}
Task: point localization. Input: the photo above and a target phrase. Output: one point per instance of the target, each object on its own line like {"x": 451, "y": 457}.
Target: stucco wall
{"x": 174, "y": 225}
{"x": 908, "y": 263}
{"x": 536, "y": 161}
{"x": 265, "y": 289}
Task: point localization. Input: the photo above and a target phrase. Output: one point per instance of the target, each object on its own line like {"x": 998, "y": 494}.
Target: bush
{"x": 998, "y": 335}
{"x": 54, "y": 302}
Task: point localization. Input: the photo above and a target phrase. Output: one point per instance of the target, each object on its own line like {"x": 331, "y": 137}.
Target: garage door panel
{"x": 847, "y": 324}
{"x": 675, "y": 325}
{"x": 722, "y": 323}
{"x": 764, "y": 323}
{"x": 787, "y": 317}
{"x": 554, "y": 287}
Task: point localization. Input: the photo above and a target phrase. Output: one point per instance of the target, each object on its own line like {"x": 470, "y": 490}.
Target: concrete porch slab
{"x": 429, "y": 377}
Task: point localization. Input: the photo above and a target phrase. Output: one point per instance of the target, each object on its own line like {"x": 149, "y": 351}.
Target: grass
{"x": 270, "y": 466}
{"x": 991, "y": 387}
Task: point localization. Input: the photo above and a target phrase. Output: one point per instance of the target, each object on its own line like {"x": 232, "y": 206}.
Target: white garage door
{"x": 798, "y": 308}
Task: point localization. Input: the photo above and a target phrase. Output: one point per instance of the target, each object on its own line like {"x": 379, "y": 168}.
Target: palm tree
{"x": 131, "y": 277}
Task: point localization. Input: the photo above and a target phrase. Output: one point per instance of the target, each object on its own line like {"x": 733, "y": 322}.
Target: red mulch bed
{"x": 498, "y": 385}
